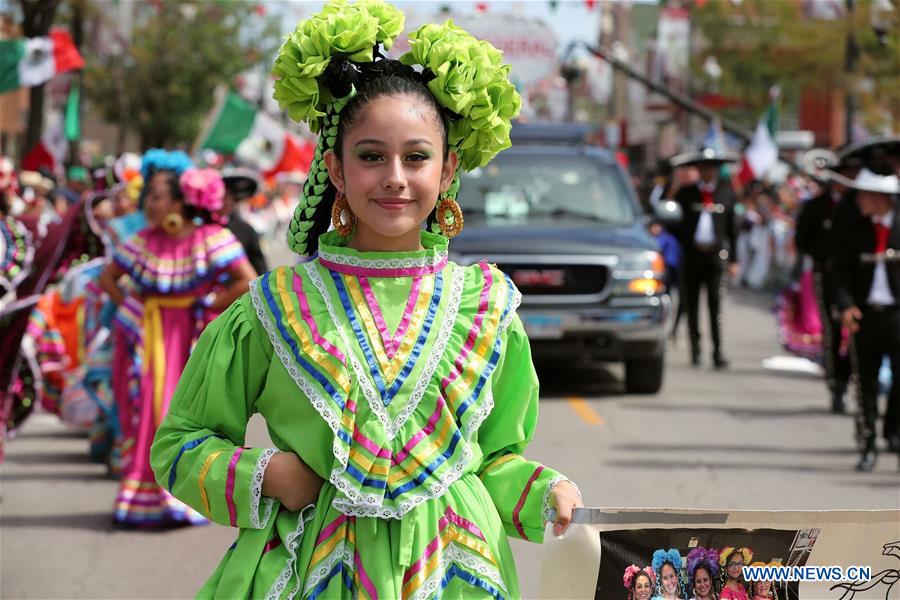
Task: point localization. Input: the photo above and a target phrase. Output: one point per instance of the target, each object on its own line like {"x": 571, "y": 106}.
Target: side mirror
{"x": 668, "y": 212}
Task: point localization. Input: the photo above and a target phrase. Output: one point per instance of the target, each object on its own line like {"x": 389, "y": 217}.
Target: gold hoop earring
{"x": 449, "y": 217}
{"x": 173, "y": 223}
{"x": 342, "y": 218}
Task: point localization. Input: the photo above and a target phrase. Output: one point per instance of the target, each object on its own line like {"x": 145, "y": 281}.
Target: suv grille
{"x": 555, "y": 280}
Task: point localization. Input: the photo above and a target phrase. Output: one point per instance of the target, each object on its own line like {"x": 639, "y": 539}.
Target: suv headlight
{"x": 642, "y": 273}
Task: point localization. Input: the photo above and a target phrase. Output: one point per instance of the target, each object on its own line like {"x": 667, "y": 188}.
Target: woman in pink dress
{"x": 187, "y": 268}
{"x": 732, "y": 561}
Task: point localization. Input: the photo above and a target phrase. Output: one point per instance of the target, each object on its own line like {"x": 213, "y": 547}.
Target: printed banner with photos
{"x": 632, "y": 554}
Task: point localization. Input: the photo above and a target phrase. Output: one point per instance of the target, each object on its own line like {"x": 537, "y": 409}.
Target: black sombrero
{"x": 879, "y": 154}
{"x": 242, "y": 183}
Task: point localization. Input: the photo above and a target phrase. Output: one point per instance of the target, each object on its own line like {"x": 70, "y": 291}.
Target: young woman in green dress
{"x": 397, "y": 386}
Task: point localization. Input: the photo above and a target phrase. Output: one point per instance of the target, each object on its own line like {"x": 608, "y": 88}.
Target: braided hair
{"x": 369, "y": 81}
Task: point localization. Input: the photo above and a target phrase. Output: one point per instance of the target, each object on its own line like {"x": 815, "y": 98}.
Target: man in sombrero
{"x": 708, "y": 237}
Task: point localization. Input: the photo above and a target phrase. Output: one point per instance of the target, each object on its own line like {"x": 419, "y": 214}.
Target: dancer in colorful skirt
{"x": 177, "y": 264}
{"x": 398, "y": 386}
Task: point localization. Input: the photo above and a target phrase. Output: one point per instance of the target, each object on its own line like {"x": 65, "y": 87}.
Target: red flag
{"x": 481, "y": 7}
{"x": 64, "y": 52}
{"x": 590, "y": 4}
{"x": 297, "y": 156}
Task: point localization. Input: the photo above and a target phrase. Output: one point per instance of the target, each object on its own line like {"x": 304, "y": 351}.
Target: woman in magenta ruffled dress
{"x": 186, "y": 269}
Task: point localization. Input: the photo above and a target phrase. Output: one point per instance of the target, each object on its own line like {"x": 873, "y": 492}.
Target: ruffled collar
{"x": 336, "y": 256}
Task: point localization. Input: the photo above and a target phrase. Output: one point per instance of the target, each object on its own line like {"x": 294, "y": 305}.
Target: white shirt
{"x": 705, "y": 234}
{"x": 880, "y": 292}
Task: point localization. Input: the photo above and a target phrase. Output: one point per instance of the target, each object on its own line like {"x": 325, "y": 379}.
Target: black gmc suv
{"x": 561, "y": 218}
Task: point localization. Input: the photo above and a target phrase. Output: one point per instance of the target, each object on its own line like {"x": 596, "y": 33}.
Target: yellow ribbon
{"x": 154, "y": 346}
{"x": 201, "y": 480}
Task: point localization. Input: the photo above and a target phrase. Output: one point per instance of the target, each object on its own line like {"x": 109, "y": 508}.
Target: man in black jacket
{"x": 241, "y": 184}
{"x": 708, "y": 238}
{"x": 815, "y": 236}
{"x": 867, "y": 266}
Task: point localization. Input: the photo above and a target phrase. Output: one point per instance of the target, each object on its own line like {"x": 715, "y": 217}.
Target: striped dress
{"x": 162, "y": 320}
{"x": 406, "y": 382}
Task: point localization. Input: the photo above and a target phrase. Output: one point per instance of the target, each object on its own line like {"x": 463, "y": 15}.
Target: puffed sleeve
{"x": 519, "y": 487}
{"x": 198, "y": 452}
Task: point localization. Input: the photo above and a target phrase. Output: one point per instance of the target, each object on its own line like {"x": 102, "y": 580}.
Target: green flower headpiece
{"x": 471, "y": 81}
{"x": 340, "y": 29}
{"x": 466, "y": 76}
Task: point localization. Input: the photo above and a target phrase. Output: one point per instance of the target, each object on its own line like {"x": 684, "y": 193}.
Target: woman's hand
{"x": 290, "y": 481}
{"x": 565, "y": 497}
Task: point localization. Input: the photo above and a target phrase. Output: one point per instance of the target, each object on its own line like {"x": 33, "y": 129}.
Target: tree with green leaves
{"x": 162, "y": 86}
{"x": 761, "y": 43}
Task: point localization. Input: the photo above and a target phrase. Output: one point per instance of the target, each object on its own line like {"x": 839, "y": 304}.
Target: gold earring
{"x": 173, "y": 223}
{"x": 342, "y": 218}
{"x": 449, "y": 217}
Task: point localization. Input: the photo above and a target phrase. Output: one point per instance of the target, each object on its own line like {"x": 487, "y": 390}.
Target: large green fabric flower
{"x": 340, "y": 28}
{"x": 390, "y": 20}
{"x": 470, "y": 80}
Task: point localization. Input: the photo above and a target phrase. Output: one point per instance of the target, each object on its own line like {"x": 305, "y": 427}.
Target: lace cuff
{"x": 549, "y": 512}
{"x": 256, "y": 480}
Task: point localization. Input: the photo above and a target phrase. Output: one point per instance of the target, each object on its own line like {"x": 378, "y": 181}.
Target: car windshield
{"x": 573, "y": 188}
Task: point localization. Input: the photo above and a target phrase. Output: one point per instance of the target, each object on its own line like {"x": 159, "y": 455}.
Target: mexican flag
{"x": 26, "y": 62}
{"x": 236, "y": 127}
{"x": 762, "y": 153}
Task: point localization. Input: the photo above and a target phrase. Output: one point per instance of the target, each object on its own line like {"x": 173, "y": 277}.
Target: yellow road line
{"x": 584, "y": 410}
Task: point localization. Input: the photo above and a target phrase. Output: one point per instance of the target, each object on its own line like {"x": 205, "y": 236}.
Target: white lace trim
{"x": 319, "y": 400}
{"x": 392, "y": 428}
{"x": 256, "y": 491}
{"x": 291, "y": 542}
{"x": 548, "y": 510}
{"x": 516, "y": 302}
{"x": 386, "y": 263}
{"x": 338, "y": 555}
{"x": 453, "y": 553}
{"x": 357, "y": 503}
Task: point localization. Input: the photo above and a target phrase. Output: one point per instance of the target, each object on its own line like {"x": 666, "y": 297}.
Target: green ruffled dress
{"x": 406, "y": 382}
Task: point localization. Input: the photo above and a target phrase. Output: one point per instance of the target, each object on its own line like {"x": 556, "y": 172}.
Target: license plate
{"x": 541, "y": 327}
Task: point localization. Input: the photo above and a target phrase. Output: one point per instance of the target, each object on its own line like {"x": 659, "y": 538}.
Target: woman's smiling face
{"x": 669, "y": 578}
{"x": 392, "y": 170}
{"x": 643, "y": 587}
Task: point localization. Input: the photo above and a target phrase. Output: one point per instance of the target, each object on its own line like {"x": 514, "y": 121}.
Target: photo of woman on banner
{"x": 667, "y": 565}
{"x": 639, "y": 582}
{"x": 732, "y": 561}
{"x": 703, "y": 572}
{"x": 764, "y": 590}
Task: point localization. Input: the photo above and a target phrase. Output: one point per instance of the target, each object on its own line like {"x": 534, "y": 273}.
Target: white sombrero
{"x": 867, "y": 181}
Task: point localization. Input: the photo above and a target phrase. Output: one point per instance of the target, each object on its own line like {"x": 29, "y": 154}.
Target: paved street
{"x": 746, "y": 438}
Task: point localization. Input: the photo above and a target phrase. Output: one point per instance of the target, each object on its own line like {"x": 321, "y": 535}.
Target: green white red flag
{"x": 26, "y": 62}
{"x": 237, "y": 128}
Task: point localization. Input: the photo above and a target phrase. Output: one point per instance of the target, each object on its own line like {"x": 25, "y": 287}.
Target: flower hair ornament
{"x": 157, "y": 159}
{"x": 702, "y": 556}
{"x": 323, "y": 63}
{"x": 204, "y": 189}
{"x": 632, "y": 571}
{"x": 746, "y": 554}
{"x": 673, "y": 557}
